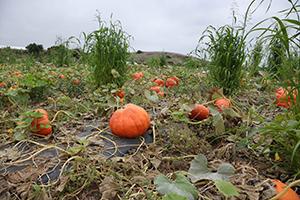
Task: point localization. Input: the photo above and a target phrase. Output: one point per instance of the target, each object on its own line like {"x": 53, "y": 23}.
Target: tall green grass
{"x": 282, "y": 37}
{"x": 226, "y": 51}
{"x": 107, "y": 51}
{"x": 256, "y": 58}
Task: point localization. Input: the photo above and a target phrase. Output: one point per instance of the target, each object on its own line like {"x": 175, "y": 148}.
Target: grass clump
{"x": 226, "y": 50}
{"x": 108, "y": 49}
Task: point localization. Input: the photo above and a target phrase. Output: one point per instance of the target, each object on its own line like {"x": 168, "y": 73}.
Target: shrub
{"x": 34, "y": 49}
{"x": 60, "y": 54}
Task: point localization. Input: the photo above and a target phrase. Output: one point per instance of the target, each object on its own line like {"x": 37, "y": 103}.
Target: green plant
{"x": 226, "y": 50}
{"x": 34, "y": 49}
{"x": 157, "y": 61}
{"x": 108, "y": 53}
{"x": 60, "y": 54}
{"x": 284, "y": 131}
{"x": 256, "y": 58}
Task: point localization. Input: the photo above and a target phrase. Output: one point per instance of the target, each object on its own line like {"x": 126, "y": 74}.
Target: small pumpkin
{"x": 289, "y": 195}
{"x": 170, "y": 82}
{"x": 62, "y": 76}
{"x": 137, "y": 75}
{"x": 159, "y": 82}
{"x": 283, "y": 99}
{"x": 161, "y": 93}
{"x": 2, "y": 84}
{"x": 155, "y": 89}
{"x": 176, "y": 79}
{"x": 120, "y": 93}
{"x": 76, "y": 81}
{"x": 41, "y": 125}
{"x": 199, "y": 112}
{"x": 129, "y": 122}
{"x": 222, "y": 103}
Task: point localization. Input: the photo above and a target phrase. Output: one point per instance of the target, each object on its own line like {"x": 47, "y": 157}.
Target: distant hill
{"x": 171, "y": 58}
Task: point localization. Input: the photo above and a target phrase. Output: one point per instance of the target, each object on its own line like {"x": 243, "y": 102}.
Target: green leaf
{"x": 180, "y": 186}
{"x": 19, "y": 135}
{"x": 174, "y": 196}
{"x": 231, "y": 113}
{"x": 226, "y": 188}
{"x": 199, "y": 170}
{"x": 218, "y": 123}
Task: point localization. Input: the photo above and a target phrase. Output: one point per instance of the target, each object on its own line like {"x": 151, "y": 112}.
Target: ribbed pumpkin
{"x": 41, "y": 125}
{"x": 289, "y": 195}
{"x": 129, "y": 122}
{"x": 199, "y": 112}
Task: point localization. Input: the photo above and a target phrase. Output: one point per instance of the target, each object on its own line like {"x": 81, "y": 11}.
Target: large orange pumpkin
{"x": 2, "y": 84}
{"x": 199, "y": 112}
{"x": 130, "y": 122}
{"x": 289, "y": 195}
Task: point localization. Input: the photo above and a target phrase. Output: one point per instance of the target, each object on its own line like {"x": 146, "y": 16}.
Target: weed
{"x": 226, "y": 50}
{"x": 108, "y": 47}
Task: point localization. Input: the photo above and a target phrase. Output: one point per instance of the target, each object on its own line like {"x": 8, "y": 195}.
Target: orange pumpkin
{"x": 41, "y": 125}
{"x": 130, "y": 122}
{"x": 42, "y": 111}
{"x": 2, "y": 84}
{"x": 161, "y": 93}
{"x": 76, "y": 81}
{"x": 120, "y": 94}
{"x": 199, "y": 112}
{"x": 222, "y": 103}
{"x": 283, "y": 99}
{"x": 159, "y": 82}
{"x": 176, "y": 79}
{"x": 137, "y": 75}
{"x": 289, "y": 195}
{"x": 171, "y": 82}
{"x": 62, "y": 76}
{"x": 155, "y": 89}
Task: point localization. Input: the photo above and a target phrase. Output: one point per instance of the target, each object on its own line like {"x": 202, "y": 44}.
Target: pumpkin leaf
{"x": 199, "y": 170}
{"x": 218, "y": 123}
{"x": 180, "y": 186}
{"x": 231, "y": 113}
{"x": 151, "y": 97}
{"x": 19, "y": 135}
{"x": 174, "y": 196}
{"x": 226, "y": 188}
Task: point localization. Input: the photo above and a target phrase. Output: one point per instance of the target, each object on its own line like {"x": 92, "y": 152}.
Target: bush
{"x": 34, "y": 49}
{"x": 108, "y": 53}
{"x": 226, "y": 50}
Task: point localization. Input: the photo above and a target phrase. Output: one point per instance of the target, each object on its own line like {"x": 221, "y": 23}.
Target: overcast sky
{"x": 168, "y": 25}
